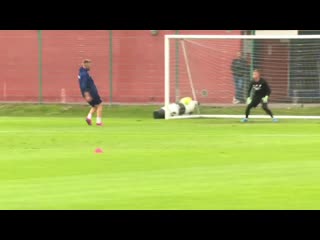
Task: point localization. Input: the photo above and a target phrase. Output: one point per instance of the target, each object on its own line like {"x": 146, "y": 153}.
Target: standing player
{"x": 259, "y": 92}
{"x": 240, "y": 72}
{"x": 90, "y": 93}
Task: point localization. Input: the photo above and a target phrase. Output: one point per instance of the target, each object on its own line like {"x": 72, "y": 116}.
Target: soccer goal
{"x": 216, "y": 70}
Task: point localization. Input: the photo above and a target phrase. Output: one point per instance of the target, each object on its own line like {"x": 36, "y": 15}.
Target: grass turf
{"x": 48, "y": 162}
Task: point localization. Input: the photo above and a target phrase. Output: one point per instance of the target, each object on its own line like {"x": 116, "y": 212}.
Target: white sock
{"x": 99, "y": 119}
{"x": 89, "y": 116}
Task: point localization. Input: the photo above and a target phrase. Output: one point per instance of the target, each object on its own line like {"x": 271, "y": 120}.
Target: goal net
{"x": 216, "y": 70}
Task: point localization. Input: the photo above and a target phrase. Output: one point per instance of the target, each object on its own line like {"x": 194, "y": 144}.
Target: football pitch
{"x": 47, "y": 161}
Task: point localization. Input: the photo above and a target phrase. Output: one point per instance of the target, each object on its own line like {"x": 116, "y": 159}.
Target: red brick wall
{"x": 138, "y": 65}
{"x": 139, "y": 68}
{"x": 62, "y": 55}
{"x": 19, "y": 66}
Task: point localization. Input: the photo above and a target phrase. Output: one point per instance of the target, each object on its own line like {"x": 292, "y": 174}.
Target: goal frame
{"x": 248, "y": 37}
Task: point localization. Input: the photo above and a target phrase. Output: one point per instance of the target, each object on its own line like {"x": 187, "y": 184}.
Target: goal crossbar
{"x": 242, "y": 36}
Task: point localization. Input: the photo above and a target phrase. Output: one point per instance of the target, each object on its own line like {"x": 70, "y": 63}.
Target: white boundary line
{"x": 242, "y": 116}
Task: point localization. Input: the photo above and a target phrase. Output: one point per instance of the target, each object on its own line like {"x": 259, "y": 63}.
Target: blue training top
{"x": 86, "y": 82}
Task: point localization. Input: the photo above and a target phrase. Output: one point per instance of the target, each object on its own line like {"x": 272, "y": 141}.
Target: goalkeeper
{"x": 258, "y": 92}
{"x": 184, "y": 106}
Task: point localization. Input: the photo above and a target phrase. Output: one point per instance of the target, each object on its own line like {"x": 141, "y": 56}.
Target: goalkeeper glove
{"x": 265, "y": 99}
{"x": 249, "y": 100}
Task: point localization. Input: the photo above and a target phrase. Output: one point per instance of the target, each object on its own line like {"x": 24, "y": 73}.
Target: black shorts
{"x": 256, "y": 101}
{"x": 96, "y": 100}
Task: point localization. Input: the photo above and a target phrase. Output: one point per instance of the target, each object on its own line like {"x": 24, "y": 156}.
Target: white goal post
{"x": 279, "y": 54}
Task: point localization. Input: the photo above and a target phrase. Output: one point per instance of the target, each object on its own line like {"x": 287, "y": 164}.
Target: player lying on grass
{"x": 259, "y": 92}
{"x": 90, "y": 93}
{"x": 184, "y": 106}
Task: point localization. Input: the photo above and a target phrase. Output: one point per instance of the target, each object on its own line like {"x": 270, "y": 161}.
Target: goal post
{"x": 209, "y": 74}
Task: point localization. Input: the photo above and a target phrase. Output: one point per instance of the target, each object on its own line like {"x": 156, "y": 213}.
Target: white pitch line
{"x": 182, "y": 134}
{"x": 242, "y": 116}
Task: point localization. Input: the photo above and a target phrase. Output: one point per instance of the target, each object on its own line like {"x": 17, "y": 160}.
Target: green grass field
{"x": 47, "y": 161}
